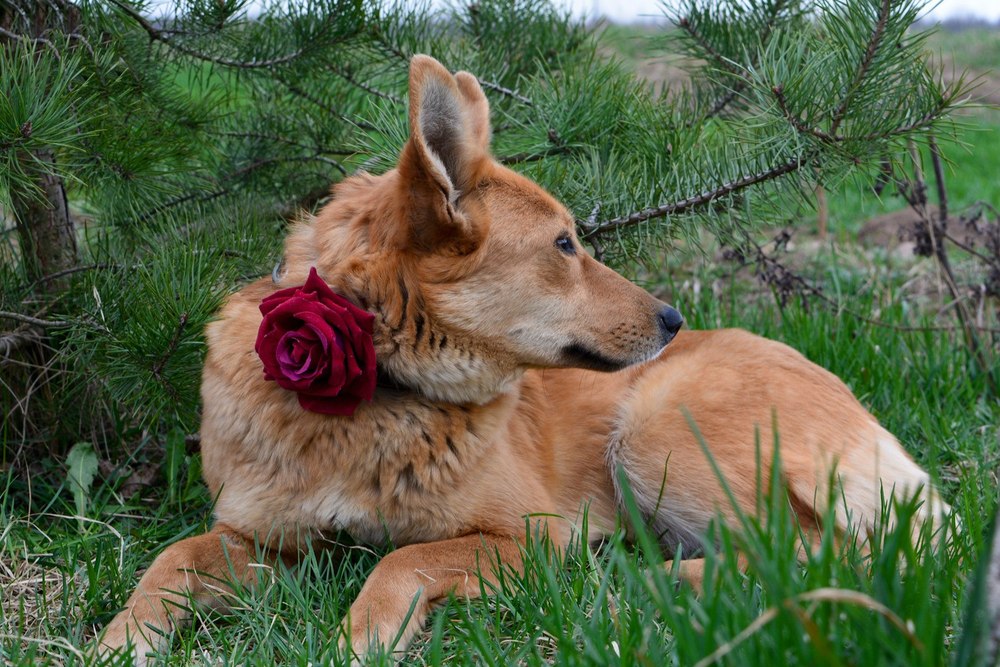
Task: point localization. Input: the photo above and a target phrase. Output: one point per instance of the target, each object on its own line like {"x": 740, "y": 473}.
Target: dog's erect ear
{"x": 478, "y": 110}
{"x": 449, "y": 141}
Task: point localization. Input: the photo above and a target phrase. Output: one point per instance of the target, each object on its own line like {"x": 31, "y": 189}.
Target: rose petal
{"x": 301, "y": 354}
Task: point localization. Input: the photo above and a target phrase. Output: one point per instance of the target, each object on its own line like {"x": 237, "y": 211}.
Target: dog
{"x": 515, "y": 376}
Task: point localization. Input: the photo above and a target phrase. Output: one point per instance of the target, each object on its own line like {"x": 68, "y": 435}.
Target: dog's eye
{"x": 565, "y": 245}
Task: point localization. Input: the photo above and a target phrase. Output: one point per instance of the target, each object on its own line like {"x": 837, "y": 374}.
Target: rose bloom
{"x": 319, "y": 345}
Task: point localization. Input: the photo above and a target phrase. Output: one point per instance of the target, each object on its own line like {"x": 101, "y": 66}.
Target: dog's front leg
{"x": 196, "y": 569}
{"x": 403, "y": 587}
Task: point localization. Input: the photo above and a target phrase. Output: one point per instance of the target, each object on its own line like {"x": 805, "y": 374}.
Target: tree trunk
{"x": 46, "y": 231}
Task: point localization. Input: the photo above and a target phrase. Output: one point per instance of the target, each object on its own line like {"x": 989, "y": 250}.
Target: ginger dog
{"x": 515, "y": 375}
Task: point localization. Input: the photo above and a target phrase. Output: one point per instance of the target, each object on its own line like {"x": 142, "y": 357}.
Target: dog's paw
{"x": 360, "y": 643}
{"x": 354, "y": 654}
{"x": 118, "y": 647}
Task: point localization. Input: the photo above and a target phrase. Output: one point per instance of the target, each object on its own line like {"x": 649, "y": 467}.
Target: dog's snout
{"x": 670, "y": 321}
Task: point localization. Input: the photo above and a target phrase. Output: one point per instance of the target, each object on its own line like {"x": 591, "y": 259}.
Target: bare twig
{"x": 34, "y": 321}
{"x": 942, "y": 191}
{"x": 9, "y": 342}
{"x": 513, "y": 94}
{"x": 67, "y": 272}
{"x": 36, "y": 40}
{"x": 778, "y": 276}
{"x": 969, "y": 249}
{"x": 915, "y": 193}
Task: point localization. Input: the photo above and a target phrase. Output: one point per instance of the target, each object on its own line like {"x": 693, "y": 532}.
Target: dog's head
{"x": 474, "y": 272}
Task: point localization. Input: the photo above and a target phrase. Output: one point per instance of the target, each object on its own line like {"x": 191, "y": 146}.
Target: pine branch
{"x": 689, "y": 203}
{"x": 319, "y": 150}
{"x": 520, "y": 158}
{"x": 157, "y": 368}
{"x": 195, "y": 197}
{"x": 66, "y": 272}
{"x": 802, "y": 128}
{"x": 873, "y": 43}
{"x": 298, "y": 92}
{"x": 371, "y": 90}
{"x": 796, "y": 122}
{"x": 234, "y": 176}
{"x": 31, "y": 40}
{"x": 720, "y": 104}
{"x": 164, "y": 37}
{"x": 706, "y": 46}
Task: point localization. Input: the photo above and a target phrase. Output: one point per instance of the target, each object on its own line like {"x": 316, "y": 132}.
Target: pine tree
{"x": 149, "y": 163}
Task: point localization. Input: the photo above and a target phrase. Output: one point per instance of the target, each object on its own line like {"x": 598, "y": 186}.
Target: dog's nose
{"x": 670, "y": 322}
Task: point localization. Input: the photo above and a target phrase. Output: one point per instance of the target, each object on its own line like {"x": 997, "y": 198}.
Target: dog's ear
{"x": 478, "y": 110}
{"x": 449, "y": 143}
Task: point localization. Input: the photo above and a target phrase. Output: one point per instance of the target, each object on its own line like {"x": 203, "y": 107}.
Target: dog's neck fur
{"x": 414, "y": 352}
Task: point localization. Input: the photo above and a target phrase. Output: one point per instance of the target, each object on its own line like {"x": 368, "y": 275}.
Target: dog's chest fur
{"x": 395, "y": 471}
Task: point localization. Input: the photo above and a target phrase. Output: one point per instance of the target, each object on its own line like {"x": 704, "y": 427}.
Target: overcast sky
{"x": 635, "y": 10}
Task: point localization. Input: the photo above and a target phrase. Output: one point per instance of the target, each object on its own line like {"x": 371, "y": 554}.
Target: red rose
{"x": 319, "y": 345}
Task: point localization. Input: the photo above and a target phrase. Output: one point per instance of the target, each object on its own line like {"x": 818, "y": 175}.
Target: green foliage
{"x": 36, "y": 112}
